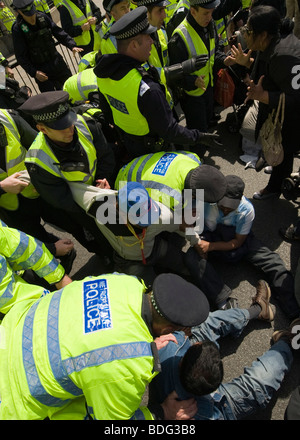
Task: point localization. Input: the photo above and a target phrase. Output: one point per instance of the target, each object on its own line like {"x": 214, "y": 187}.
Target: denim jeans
{"x": 253, "y": 389}
{"x": 238, "y": 398}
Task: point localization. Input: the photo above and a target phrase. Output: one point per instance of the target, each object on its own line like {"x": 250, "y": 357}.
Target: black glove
{"x": 210, "y": 140}
{"x": 195, "y": 63}
{"x": 176, "y": 72}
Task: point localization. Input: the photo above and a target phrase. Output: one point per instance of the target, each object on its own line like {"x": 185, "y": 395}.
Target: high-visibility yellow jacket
{"x": 14, "y": 156}
{"x": 42, "y": 5}
{"x": 78, "y": 19}
{"x": 42, "y": 155}
{"x": 162, "y": 174}
{"x": 87, "y": 61}
{"x": 18, "y": 252}
{"x": 87, "y": 340}
{"x": 195, "y": 46}
{"x": 246, "y": 4}
{"x": 154, "y": 58}
{"x": 170, "y": 9}
{"x": 7, "y": 17}
{"x": 126, "y": 113}
{"x": 80, "y": 85}
{"x": 109, "y": 45}
{"x": 222, "y": 31}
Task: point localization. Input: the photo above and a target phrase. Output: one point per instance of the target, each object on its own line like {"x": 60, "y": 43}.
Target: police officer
{"x": 33, "y": 38}
{"x": 166, "y": 175}
{"x": 80, "y": 85}
{"x": 149, "y": 238}
{"x": 79, "y": 19}
{"x": 197, "y": 34}
{"x": 156, "y": 15}
{"x": 179, "y": 14}
{"x": 115, "y": 9}
{"x": 68, "y": 148}
{"x": 20, "y": 206}
{"x": 111, "y": 353}
{"x": 6, "y": 16}
{"x": 133, "y": 99}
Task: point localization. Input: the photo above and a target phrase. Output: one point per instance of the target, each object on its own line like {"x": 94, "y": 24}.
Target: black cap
{"x": 25, "y": 6}
{"x": 234, "y": 192}
{"x": 108, "y": 4}
{"x": 131, "y": 24}
{"x": 159, "y": 3}
{"x": 51, "y": 109}
{"x": 206, "y": 4}
{"x": 180, "y": 302}
{"x": 208, "y": 178}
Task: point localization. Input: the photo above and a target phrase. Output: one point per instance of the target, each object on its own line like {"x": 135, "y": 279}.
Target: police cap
{"x": 208, "y": 178}
{"x": 51, "y": 109}
{"x": 131, "y": 24}
{"x": 206, "y": 4}
{"x": 159, "y": 3}
{"x": 179, "y": 301}
{"x": 25, "y": 6}
{"x": 109, "y": 4}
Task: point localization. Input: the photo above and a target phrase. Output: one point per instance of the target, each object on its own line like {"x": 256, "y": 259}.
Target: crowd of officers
{"x": 63, "y": 154}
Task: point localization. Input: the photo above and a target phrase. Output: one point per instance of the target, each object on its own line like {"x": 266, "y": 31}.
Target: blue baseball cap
{"x": 134, "y": 200}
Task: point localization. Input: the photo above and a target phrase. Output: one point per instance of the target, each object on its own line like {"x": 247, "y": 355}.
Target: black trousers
{"x": 167, "y": 256}
{"x": 57, "y": 71}
{"x": 270, "y": 263}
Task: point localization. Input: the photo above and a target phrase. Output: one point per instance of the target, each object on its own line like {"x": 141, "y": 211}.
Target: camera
{"x": 290, "y": 186}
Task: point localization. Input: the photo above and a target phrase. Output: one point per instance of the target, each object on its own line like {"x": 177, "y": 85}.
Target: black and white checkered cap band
{"x": 147, "y": 2}
{"x": 200, "y": 2}
{"x": 43, "y": 117}
{"x": 155, "y": 305}
{"x": 135, "y": 30}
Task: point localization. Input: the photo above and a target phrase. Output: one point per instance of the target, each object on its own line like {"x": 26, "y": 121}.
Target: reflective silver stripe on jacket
{"x": 11, "y": 128}
{"x": 75, "y": 19}
{"x": 177, "y": 195}
{"x": 82, "y": 88}
{"x": 48, "y": 160}
{"x": 63, "y": 368}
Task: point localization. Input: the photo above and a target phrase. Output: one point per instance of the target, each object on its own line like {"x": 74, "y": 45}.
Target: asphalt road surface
{"x": 242, "y": 278}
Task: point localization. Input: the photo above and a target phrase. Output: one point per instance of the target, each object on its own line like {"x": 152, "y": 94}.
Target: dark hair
{"x": 201, "y": 369}
{"x": 122, "y": 45}
{"x": 264, "y": 19}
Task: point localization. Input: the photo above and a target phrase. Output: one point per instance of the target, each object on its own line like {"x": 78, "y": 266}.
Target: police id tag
{"x": 96, "y": 306}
